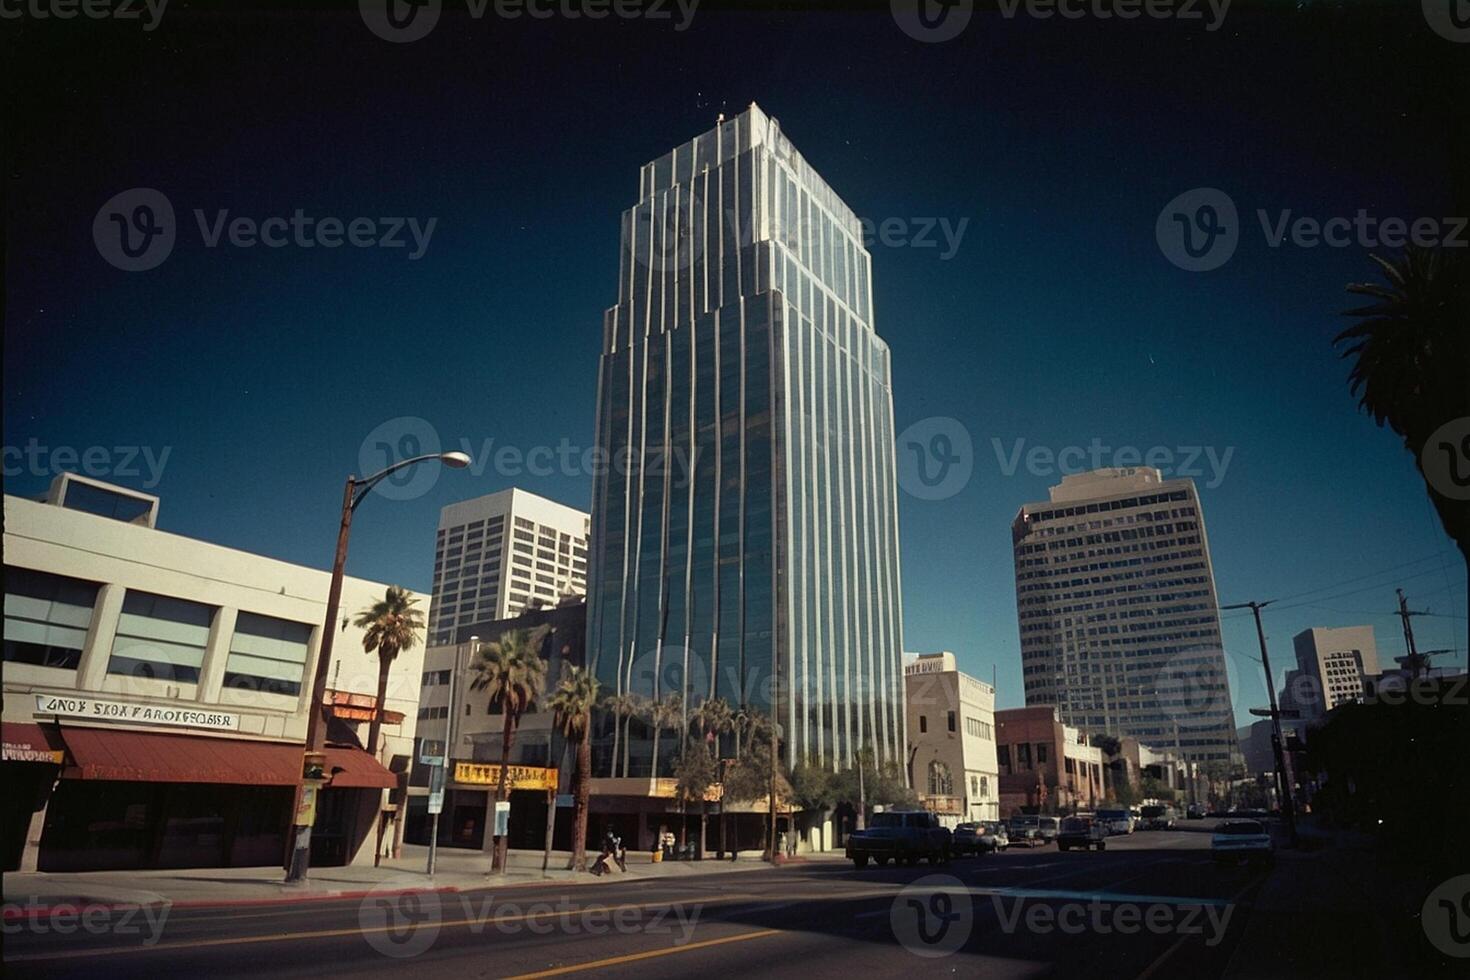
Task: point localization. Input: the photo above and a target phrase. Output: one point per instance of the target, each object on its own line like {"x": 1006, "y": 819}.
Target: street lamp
{"x": 316, "y": 734}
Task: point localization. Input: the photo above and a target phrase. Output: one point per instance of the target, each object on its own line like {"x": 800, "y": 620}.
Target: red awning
{"x": 24, "y": 742}
{"x": 101, "y": 753}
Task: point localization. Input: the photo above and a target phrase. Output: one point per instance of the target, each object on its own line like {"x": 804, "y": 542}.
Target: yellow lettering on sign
{"x": 517, "y": 777}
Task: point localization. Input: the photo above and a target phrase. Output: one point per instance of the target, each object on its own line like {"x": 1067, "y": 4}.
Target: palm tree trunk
{"x": 502, "y": 792}
{"x": 654, "y": 771}
{"x": 617, "y": 731}
{"x": 375, "y": 727}
{"x": 584, "y": 790}
{"x": 627, "y": 738}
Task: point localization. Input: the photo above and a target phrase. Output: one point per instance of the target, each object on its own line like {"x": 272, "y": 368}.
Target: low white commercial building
{"x": 156, "y": 695}
{"x": 951, "y": 726}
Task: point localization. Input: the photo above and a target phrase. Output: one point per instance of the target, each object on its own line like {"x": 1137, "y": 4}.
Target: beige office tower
{"x": 1119, "y": 619}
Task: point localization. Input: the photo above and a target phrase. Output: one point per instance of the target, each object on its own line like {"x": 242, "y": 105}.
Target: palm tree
{"x": 1411, "y": 347}
{"x": 391, "y": 625}
{"x": 713, "y": 719}
{"x": 666, "y": 712}
{"x": 512, "y": 671}
{"x": 572, "y": 704}
{"x": 622, "y": 706}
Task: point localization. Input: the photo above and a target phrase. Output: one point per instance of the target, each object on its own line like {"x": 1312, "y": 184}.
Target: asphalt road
{"x": 1152, "y": 904}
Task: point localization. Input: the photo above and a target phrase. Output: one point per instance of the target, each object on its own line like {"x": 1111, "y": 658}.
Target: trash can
{"x": 658, "y": 856}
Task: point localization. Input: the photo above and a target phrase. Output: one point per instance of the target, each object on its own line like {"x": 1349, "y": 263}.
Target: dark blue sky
{"x": 1058, "y": 320}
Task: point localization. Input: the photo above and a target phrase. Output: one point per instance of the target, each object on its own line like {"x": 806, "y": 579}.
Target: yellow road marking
{"x": 634, "y": 957}
{"x": 337, "y": 933}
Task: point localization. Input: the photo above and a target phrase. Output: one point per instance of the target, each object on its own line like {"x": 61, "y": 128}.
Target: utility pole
{"x": 1278, "y": 744}
{"x": 1412, "y": 661}
{"x": 448, "y": 751}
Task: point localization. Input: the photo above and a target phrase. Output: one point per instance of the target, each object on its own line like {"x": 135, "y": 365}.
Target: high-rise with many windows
{"x": 499, "y": 554}
{"x": 1120, "y": 625}
{"x": 745, "y": 538}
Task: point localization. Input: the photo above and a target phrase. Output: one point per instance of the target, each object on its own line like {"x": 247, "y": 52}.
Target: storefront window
{"x": 267, "y": 654}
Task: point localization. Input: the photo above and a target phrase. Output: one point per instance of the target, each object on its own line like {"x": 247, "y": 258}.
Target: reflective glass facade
{"x": 744, "y": 534}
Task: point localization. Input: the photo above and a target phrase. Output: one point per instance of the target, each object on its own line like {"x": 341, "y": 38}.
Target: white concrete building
{"x": 1333, "y": 666}
{"x": 156, "y": 694}
{"x": 951, "y": 750}
{"x": 495, "y": 554}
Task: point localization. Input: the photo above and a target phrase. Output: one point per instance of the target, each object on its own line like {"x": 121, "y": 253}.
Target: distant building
{"x": 1333, "y": 667}
{"x": 1118, "y": 613}
{"x": 497, "y": 555}
{"x": 157, "y": 690}
{"x": 538, "y": 753}
{"x": 1045, "y": 764}
{"x": 951, "y": 722}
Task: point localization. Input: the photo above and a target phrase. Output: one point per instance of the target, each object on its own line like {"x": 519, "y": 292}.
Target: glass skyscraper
{"x": 745, "y": 532}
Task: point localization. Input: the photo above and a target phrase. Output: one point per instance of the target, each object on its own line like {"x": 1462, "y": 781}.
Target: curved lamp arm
{"x": 363, "y": 487}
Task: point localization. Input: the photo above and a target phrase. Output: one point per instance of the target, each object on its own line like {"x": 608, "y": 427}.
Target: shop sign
{"x": 488, "y": 774}
{"x": 95, "y": 709}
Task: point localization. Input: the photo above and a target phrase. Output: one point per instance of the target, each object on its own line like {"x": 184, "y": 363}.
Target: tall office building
{"x": 495, "y": 555}
{"x": 1119, "y": 619}
{"x": 1333, "y": 666}
{"x": 749, "y": 548}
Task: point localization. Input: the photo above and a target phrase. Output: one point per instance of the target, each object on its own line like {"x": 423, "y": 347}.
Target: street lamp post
{"x": 316, "y": 734}
{"x": 1278, "y": 745}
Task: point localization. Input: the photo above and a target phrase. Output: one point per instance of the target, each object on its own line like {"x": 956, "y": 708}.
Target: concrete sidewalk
{"x": 457, "y": 870}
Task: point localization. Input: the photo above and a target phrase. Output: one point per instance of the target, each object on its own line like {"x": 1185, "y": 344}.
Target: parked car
{"x": 1082, "y": 832}
{"x": 1116, "y": 820}
{"x": 1157, "y": 816}
{"x": 993, "y": 836}
{"x": 1024, "y": 830}
{"x": 1238, "y": 840}
{"x": 966, "y": 839}
{"x": 1195, "y": 811}
{"x": 1047, "y": 830}
{"x": 901, "y": 835}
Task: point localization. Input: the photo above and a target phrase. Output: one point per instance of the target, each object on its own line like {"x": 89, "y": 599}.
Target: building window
{"x": 974, "y": 785}
{"x": 951, "y": 721}
{"x": 267, "y": 654}
{"x": 1041, "y": 753}
{"x": 923, "y": 724}
{"x": 160, "y": 637}
{"x": 46, "y": 617}
{"x": 941, "y": 783}
{"x": 1023, "y": 755}
{"x": 985, "y": 787}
